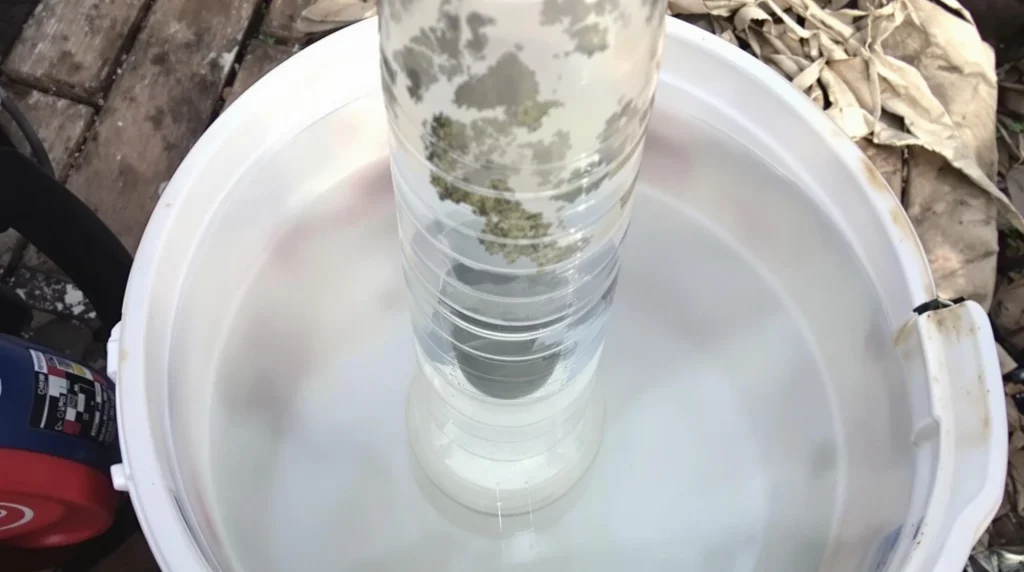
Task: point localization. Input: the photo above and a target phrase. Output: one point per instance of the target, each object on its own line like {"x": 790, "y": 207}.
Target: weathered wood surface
{"x": 61, "y": 125}
{"x": 158, "y": 107}
{"x": 282, "y": 17}
{"x": 260, "y": 58}
{"x": 73, "y": 48}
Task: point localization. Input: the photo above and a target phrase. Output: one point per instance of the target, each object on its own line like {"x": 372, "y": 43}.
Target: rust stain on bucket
{"x": 953, "y": 326}
{"x": 878, "y": 184}
{"x": 874, "y": 178}
{"x": 900, "y": 219}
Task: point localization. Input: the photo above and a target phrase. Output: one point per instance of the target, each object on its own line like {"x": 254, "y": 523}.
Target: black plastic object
{"x": 937, "y": 304}
{"x": 31, "y": 137}
{"x": 15, "y": 314}
{"x": 63, "y": 228}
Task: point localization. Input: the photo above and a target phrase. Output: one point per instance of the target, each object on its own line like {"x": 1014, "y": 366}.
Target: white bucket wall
{"x": 946, "y": 493}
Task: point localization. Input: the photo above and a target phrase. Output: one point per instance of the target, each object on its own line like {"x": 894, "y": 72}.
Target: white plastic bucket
{"x": 773, "y": 400}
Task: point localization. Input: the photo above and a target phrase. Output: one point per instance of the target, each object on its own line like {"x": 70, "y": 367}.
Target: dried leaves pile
{"x": 327, "y": 15}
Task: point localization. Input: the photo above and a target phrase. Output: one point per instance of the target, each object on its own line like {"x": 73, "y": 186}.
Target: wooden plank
{"x": 73, "y": 48}
{"x": 259, "y": 60}
{"x": 282, "y": 17}
{"x": 61, "y": 125}
{"x": 157, "y": 108}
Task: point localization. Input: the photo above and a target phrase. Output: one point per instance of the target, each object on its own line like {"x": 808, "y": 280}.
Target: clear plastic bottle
{"x": 516, "y": 134}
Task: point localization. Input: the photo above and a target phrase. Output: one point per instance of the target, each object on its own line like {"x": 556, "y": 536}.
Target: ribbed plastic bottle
{"x": 517, "y": 129}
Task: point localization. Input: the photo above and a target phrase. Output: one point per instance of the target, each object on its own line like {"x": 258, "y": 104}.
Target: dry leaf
{"x": 1017, "y": 476}
{"x": 1015, "y": 186}
{"x": 1013, "y": 417}
{"x": 1017, "y": 439}
{"x": 1006, "y": 363}
{"x": 924, "y": 65}
{"x": 326, "y": 15}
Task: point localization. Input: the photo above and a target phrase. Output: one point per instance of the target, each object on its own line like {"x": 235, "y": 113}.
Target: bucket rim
{"x": 149, "y": 482}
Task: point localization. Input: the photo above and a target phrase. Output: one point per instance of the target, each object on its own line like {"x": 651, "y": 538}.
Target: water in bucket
{"x": 758, "y": 415}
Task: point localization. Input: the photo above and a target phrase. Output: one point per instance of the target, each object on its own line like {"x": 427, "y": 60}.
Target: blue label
{"x": 70, "y": 399}
{"x": 52, "y": 405}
